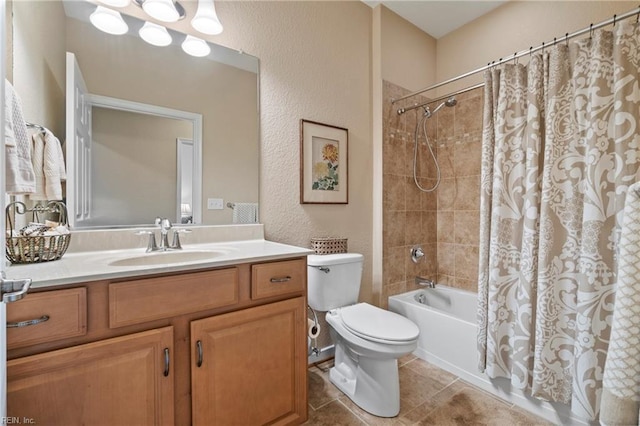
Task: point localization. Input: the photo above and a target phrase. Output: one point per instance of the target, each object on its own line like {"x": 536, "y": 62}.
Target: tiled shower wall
{"x": 444, "y": 222}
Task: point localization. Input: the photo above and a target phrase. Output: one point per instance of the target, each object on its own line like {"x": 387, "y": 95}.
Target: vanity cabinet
{"x": 247, "y": 367}
{"x": 120, "y": 381}
{"x": 218, "y": 346}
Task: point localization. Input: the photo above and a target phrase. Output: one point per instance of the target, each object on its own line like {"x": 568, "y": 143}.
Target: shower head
{"x": 449, "y": 103}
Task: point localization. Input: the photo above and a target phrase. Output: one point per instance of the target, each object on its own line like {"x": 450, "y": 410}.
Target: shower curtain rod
{"x": 532, "y": 49}
{"x": 450, "y": 95}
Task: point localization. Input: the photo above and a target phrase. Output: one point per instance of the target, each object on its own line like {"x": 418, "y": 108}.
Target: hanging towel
{"x": 48, "y": 166}
{"x": 621, "y": 382}
{"x": 20, "y": 178}
{"x": 245, "y": 213}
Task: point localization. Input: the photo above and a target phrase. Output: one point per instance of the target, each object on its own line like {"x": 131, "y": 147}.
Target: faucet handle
{"x": 151, "y": 245}
{"x": 176, "y": 237}
{"x": 165, "y": 224}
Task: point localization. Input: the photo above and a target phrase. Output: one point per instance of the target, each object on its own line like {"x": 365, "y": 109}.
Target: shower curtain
{"x": 561, "y": 146}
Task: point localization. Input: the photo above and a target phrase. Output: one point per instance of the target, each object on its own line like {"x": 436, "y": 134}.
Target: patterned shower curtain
{"x": 561, "y": 146}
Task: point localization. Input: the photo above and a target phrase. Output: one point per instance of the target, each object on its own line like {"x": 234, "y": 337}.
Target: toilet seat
{"x": 378, "y": 325}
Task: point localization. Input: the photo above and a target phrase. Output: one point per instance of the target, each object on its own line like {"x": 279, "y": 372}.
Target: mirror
{"x": 222, "y": 88}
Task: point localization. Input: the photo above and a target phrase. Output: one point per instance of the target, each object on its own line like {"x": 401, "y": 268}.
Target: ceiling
{"x": 438, "y": 17}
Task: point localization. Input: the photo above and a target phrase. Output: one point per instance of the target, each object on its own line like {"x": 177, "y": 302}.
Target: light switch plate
{"x": 215, "y": 203}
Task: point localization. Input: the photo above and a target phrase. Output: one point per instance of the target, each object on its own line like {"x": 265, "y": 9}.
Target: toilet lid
{"x": 369, "y": 321}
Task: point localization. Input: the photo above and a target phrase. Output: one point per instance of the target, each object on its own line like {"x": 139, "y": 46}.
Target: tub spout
{"x": 425, "y": 282}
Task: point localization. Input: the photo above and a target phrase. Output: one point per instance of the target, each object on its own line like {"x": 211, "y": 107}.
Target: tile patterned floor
{"x": 428, "y": 396}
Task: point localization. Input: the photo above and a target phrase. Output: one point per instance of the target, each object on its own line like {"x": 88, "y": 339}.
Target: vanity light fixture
{"x": 195, "y": 46}
{"x": 206, "y": 20}
{"x": 162, "y": 10}
{"x": 109, "y": 21}
{"x": 155, "y": 34}
{"x": 116, "y": 3}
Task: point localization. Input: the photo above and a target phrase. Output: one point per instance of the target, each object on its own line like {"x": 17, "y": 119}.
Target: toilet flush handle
{"x": 322, "y": 268}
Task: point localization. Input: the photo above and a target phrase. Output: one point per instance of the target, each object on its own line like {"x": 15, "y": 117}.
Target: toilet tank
{"x": 333, "y": 280}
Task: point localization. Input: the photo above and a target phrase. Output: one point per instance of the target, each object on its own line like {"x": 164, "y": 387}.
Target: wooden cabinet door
{"x": 250, "y": 367}
{"x": 120, "y": 381}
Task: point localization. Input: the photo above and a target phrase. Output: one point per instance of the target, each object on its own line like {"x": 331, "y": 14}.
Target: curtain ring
{"x": 614, "y": 19}
{"x": 591, "y": 30}
{"x": 543, "y": 48}
{"x": 554, "y": 41}
{"x": 515, "y": 58}
{"x": 566, "y": 39}
{"x": 530, "y": 50}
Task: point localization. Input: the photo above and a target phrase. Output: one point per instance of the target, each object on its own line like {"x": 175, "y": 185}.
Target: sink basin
{"x": 168, "y": 258}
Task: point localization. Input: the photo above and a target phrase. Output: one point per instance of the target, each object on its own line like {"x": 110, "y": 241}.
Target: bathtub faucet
{"x": 425, "y": 282}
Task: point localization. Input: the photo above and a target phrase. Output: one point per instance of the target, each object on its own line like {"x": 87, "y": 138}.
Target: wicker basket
{"x": 36, "y": 248}
{"x": 329, "y": 245}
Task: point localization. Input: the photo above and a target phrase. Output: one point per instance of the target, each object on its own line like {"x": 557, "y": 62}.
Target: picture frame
{"x": 324, "y": 163}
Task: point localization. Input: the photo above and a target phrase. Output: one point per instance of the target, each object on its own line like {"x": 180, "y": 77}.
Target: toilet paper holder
{"x": 316, "y": 326}
{"x": 313, "y": 332}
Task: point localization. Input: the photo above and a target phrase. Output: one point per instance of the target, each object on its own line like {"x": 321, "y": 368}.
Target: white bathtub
{"x": 446, "y": 318}
{"x": 447, "y": 322}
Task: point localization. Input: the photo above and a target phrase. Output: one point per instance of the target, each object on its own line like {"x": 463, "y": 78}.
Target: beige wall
{"x": 39, "y": 77}
{"x": 512, "y": 27}
{"x": 408, "y": 54}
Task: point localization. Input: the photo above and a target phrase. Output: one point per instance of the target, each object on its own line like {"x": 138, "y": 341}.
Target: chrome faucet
{"x": 165, "y": 225}
{"x": 425, "y": 282}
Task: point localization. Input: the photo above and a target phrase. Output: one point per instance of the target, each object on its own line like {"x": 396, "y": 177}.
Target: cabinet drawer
{"x": 278, "y": 278}
{"x": 47, "y": 316}
{"x": 142, "y": 300}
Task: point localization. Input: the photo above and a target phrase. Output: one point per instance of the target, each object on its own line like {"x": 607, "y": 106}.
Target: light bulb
{"x": 155, "y": 34}
{"x": 109, "y": 21}
{"x": 162, "y": 10}
{"x": 206, "y": 20}
{"x": 195, "y": 46}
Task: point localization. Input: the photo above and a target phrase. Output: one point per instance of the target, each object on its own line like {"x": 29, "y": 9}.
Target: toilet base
{"x": 372, "y": 384}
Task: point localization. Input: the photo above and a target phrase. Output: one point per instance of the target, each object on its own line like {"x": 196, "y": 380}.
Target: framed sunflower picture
{"x": 324, "y": 167}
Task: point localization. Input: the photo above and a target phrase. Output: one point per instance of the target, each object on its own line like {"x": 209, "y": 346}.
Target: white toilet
{"x": 368, "y": 340}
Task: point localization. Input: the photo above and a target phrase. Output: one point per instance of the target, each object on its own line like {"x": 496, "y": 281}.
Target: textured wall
{"x": 315, "y": 63}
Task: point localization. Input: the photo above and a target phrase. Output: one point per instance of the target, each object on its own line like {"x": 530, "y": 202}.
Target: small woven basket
{"x": 329, "y": 245}
{"x": 36, "y": 248}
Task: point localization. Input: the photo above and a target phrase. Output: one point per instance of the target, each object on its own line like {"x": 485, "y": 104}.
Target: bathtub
{"x": 446, "y": 318}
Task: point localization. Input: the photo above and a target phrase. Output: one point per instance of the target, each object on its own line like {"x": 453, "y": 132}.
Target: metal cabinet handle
{"x": 166, "y": 362}
{"x": 280, "y": 279}
{"x": 28, "y": 322}
{"x": 199, "y": 350}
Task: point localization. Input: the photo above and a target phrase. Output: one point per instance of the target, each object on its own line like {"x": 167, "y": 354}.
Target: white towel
{"x": 621, "y": 382}
{"x": 245, "y": 213}
{"x": 19, "y": 171}
{"x": 48, "y": 166}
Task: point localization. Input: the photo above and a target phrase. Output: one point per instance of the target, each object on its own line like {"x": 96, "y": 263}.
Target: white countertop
{"x": 103, "y": 265}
